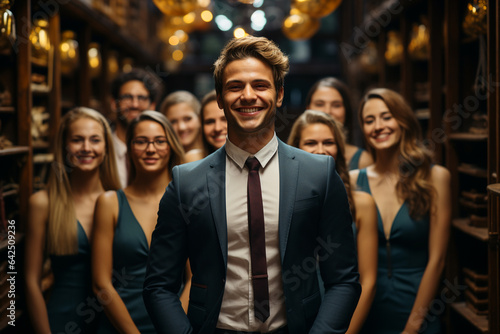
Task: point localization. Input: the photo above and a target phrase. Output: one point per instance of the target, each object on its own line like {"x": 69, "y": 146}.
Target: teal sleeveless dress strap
{"x": 71, "y": 303}
{"x": 354, "y": 163}
{"x": 401, "y": 264}
{"x": 130, "y": 255}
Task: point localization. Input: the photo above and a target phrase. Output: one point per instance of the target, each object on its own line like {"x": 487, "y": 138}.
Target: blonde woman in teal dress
{"x": 125, "y": 220}
{"x": 61, "y": 221}
{"x": 414, "y": 211}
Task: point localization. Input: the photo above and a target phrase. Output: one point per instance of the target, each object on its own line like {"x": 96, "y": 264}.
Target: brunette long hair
{"x": 415, "y": 160}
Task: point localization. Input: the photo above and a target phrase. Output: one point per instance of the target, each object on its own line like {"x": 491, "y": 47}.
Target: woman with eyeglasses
{"x": 125, "y": 220}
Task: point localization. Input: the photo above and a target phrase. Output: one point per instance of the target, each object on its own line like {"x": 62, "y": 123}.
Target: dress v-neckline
{"x": 84, "y": 232}
{"x": 135, "y": 219}
{"x": 387, "y": 237}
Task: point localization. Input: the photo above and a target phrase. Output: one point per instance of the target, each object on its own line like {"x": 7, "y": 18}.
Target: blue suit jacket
{"x": 314, "y": 222}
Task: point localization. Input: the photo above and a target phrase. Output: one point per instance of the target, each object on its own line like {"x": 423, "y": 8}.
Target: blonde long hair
{"x": 415, "y": 160}
{"x": 62, "y": 236}
{"x": 309, "y": 117}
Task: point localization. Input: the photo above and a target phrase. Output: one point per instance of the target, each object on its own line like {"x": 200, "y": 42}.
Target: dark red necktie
{"x": 257, "y": 241}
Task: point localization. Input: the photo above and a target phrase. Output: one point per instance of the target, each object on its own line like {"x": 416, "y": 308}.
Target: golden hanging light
{"x": 176, "y": 7}
{"x": 167, "y": 26}
{"x": 316, "y": 8}
{"x": 95, "y": 60}
{"x": 202, "y": 18}
{"x": 6, "y": 4}
{"x": 69, "y": 52}
{"x": 113, "y": 65}
{"x": 298, "y": 26}
{"x": 369, "y": 58}
{"x": 7, "y": 29}
{"x": 127, "y": 64}
{"x": 40, "y": 41}
{"x": 394, "y": 48}
{"x": 474, "y": 23}
{"x": 419, "y": 47}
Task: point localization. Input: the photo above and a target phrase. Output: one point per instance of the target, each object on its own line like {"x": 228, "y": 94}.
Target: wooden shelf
{"x": 471, "y": 205}
{"x": 7, "y": 110}
{"x": 480, "y": 233}
{"x": 43, "y": 158}
{"x": 112, "y": 33}
{"x": 494, "y": 188}
{"x": 10, "y": 193}
{"x": 468, "y": 136}
{"x": 40, "y": 89}
{"x": 41, "y": 145}
{"x": 39, "y": 62}
{"x": 14, "y": 150}
{"x": 472, "y": 171}
{"x": 479, "y": 321}
{"x": 423, "y": 114}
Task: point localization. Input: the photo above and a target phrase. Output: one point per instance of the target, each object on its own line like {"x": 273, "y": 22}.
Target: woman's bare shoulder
{"x": 440, "y": 176}
{"x": 363, "y": 201}
{"x": 108, "y": 198}
{"x": 39, "y": 200}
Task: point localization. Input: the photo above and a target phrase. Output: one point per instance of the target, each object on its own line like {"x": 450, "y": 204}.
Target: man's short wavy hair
{"x": 252, "y": 47}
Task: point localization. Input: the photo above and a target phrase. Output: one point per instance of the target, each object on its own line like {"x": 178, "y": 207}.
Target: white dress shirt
{"x": 237, "y": 310}
{"x": 121, "y": 159}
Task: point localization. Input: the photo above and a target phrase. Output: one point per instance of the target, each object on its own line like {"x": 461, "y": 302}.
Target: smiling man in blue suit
{"x": 255, "y": 231}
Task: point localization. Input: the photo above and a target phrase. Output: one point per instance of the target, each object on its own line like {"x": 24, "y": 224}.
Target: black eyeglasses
{"x": 128, "y": 98}
{"x": 142, "y": 144}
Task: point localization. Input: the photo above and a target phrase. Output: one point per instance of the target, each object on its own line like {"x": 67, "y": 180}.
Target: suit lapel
{"x": 289, "y": 171}
{"x": 216, "y": 183}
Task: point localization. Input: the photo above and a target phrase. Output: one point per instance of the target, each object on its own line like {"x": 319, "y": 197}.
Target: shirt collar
{"x": 240, "y": 156}
{"x": 120, "y": 147}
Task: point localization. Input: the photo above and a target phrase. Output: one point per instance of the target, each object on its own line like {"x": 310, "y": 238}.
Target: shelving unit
{"x": 434, "y": 86}
{"x": 480, "y": 322}
{"x": 463, "y": 224}
{"x": 37, "y": 82}
{"x": 460, "y": 122}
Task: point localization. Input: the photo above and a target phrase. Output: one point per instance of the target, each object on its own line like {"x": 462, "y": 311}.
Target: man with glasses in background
{"x": 133, "y": 92}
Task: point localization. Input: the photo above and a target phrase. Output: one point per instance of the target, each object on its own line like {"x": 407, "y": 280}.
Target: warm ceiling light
{"x": 173, "y": 40}
{"x": 177, "y": 55}
{"x": 189, "y": 18}
{"x": 207, "y": 16}
{"x": 239, "y": 33}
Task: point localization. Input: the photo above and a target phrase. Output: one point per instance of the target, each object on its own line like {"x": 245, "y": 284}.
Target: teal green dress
{"x": 130, "y": 255}
{"x": 71, "y": 304}
{"x": 354, "y": 163}
{"x": 401, "y": 264}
